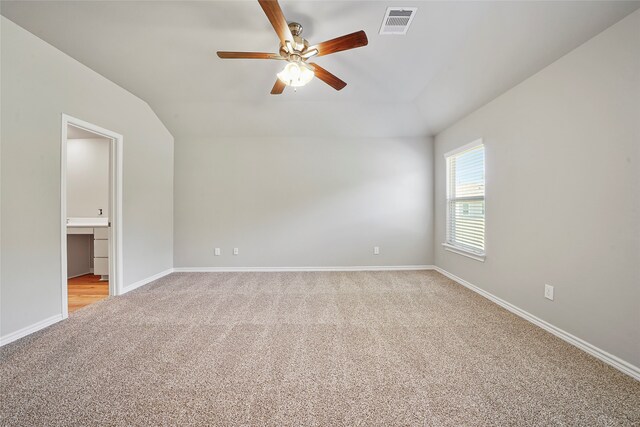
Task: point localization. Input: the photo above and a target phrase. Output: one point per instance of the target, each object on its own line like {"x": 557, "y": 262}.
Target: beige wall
{"x": 39, "y": 84}
{"x": 88, "y": 177}
{"x": 563, "y": 192}
{"x": 312, "y": 202}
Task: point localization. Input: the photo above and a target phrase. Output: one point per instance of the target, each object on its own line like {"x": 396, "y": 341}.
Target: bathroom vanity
{"x": 99, "y": 228}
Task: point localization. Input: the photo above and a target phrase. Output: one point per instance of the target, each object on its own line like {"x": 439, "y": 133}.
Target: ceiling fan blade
{"x": 278, "y": 88}
{"x": 248, "y": 55}
{"x": 328, "y": 78}
{"x": 276, "y": 17}
{"x": 350, "y": 41}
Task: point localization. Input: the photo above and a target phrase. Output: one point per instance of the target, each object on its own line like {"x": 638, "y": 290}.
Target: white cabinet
{"x": 101, "y": 266}
{"x": 101, "y": 251}
{"x": 101, "y": 233}
{"x": 79, "y": 230}
{"x": 100, "y": 248}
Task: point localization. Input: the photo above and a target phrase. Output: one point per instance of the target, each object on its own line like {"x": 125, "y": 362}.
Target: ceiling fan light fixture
{"x": 295, "y": 75}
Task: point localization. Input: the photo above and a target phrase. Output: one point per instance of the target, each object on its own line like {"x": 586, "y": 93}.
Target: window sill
{"x": 463, "y": 252}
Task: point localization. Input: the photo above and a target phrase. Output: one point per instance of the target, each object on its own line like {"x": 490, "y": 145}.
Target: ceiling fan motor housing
{"x": 299, "y": 45}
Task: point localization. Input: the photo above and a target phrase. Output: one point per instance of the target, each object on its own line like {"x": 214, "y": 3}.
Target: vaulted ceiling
{"x": 456, "y": 57}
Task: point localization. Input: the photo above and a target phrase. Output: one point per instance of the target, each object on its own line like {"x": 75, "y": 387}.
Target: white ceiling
{"x": 456, "y": 57}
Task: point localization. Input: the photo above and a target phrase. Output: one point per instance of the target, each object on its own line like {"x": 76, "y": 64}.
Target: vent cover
{"x": 397, "y": 20}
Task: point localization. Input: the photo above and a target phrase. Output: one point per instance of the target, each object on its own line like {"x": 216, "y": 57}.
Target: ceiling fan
{"x": 296, "y": 51}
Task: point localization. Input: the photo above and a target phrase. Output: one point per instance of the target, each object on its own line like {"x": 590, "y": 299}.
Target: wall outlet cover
{"x": 216, "y": 251}
{"x": 376, "y": 250}
{"x": 235, "y": 251}
{"x": 548, "y": 292}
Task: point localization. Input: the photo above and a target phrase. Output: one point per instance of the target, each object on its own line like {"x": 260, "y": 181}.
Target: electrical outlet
{"x": 376, "y": 250}
{"x": 216, "y": 251}
{"x": 235, "y": 251}
{"x": 548, "y": 292}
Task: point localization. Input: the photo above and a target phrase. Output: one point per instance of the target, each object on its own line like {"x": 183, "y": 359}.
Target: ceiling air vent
{"x": 397, "y": 20}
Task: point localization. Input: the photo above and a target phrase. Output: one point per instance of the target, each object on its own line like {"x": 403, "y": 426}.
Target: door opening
{"x": 91, "y": 191}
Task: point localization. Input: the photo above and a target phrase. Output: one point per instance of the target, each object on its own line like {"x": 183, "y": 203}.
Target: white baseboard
{"x": 80, "y": 275}
{"x": 145, "y": 281}
{"x": 29, "y": 329}
{"x": 591, "y": 349}
{"x": 284, "y": 269}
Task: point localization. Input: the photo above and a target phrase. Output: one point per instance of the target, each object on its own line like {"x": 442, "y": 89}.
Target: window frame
{"x": 448, "y": 245}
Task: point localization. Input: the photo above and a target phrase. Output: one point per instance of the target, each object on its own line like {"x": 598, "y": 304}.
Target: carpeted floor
{"x": 320, "y": 349}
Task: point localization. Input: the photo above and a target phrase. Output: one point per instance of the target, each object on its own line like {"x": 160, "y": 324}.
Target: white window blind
{"x": 465, "y": 199}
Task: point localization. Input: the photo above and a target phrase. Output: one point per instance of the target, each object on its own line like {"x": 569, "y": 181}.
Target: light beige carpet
{"x": 312, "y": 349}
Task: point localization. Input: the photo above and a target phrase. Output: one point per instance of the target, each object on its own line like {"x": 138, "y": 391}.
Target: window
{"x": 465, "y": 201}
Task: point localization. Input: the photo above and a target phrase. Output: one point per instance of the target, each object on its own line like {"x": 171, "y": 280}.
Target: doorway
{"x": 91, "y": 213}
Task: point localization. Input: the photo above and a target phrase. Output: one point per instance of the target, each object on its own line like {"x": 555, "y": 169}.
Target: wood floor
{"x": 85, "y": 290}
